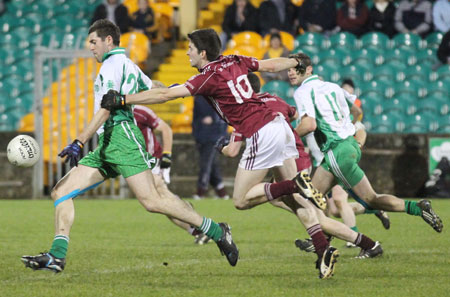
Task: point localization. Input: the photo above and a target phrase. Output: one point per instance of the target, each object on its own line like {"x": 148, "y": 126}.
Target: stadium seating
{"x": 394, "y": 77}
{"x": 138, "y": 45}
{"x": 368, "y": 56}
{"x": 341, "y": 40}
{"x": 375, "y": 40}
{"x": 308, "y": 39}
{"x": 408, "y": 41}
{"x": 246, "y": 38}
{"x": 277, "y": 87}
{"x": 434, "y": 40}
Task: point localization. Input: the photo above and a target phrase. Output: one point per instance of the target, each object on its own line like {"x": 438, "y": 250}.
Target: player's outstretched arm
{"x": 158, "y": 95}
{"x": 113, "y": 99}
{"x": 277, "y": 64}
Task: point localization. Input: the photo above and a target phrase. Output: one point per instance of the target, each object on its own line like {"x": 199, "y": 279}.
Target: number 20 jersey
{"x": 224, "y": 84}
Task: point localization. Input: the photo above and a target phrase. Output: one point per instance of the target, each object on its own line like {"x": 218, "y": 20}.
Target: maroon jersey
{"x": 147, "y": 121}
{"x": 224, "y": 84}
{"x": 279, "y": 105}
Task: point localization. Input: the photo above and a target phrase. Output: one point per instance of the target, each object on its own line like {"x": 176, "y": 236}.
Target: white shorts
{"x": 269, "y": 146}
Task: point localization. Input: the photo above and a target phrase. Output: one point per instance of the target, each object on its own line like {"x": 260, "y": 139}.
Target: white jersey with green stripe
{"x": 328, "y": 103}
{"x": 121, "y": 74}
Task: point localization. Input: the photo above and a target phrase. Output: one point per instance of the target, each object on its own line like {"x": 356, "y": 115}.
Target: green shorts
{"x": 121, "y": 151}
{"x": 342, "y": 160}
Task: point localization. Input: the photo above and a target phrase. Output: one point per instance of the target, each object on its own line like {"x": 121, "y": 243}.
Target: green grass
{"x": 117, "y": 249}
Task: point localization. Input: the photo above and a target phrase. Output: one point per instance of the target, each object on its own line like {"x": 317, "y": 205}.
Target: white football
{"x": 23, "y": 151}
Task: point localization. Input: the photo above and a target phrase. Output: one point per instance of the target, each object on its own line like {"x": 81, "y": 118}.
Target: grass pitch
{"x": 118, "y": 249}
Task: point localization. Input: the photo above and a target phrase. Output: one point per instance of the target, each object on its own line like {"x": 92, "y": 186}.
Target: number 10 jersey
{"x": 224, "y": 84}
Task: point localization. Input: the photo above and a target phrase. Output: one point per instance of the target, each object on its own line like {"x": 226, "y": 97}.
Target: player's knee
{"x": 240, "y": 204}
{"x": 339, "y": 204}
{"x": 56, "y": 194}
{"x": 151, "y": 205}
{"x": 307, "y": 216}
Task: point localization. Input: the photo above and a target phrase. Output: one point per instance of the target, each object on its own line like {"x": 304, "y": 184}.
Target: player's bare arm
{"x": 167, "y": 136}
{"x": 277, "y": 64}
{"x": 232, "y": 149}
{"x": 72, "y": 152}
{"x": 97, "y": 121}
{"x": 360, "y": 134}
{"x": 356, "y": 112}
{"x": 306, "y": 126}
{"x": 158, "y": 95}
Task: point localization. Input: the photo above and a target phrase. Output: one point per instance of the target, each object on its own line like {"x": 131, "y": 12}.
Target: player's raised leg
{"x": 143, "y": 186}
{"x": 79, "y": 180}
{"x": 388, "y": 202}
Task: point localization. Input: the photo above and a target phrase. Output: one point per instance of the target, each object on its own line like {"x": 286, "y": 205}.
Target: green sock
{"x": 412, "y": 208}
{"x": 370, "y": 210}
{"x": 59, "y": 246}
{"x": 354, "y": 228}
{"x": 211, "y": 229}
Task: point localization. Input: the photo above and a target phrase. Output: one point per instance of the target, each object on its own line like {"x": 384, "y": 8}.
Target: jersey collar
{"x": 311, "y": 78}
{"x": 114, "y": 51}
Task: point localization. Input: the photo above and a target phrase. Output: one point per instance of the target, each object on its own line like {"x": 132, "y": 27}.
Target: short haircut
{"x": 206, "y": 40}
{"x": 348, "y": 81}
{"x": 304, "y": 61}
{"x": 254, "y": 82}
{"x": 105, "y": 28}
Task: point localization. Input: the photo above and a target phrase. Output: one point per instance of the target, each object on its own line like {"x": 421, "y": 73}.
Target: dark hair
{"x": 105, "y": 28}
{"x": 303, "y": 61}
{"x": 254, "y": 82}
{"x": 348, "y": 81}
{"x": 275, "y": 35}
{"x": 206, "y": 40}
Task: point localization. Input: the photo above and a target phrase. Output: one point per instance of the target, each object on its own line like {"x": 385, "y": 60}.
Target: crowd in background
{"x": 143, "y": 20}
{"x": 326, "y": 16}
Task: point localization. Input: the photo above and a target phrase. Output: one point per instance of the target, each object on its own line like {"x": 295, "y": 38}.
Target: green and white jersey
{"x": 327, "y": 103}
{"x": 121, "y": 74}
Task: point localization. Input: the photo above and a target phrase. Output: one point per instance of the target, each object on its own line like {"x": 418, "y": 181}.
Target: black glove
{"x": 73, "y": 152}
{"x": 113, "y": 100}
{"x": 166, "y": 160}
{"x": 301, "y": 68}
{"x": 221, "y": 143}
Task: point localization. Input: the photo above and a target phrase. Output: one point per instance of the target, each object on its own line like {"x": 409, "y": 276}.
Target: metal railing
{"x": 64, "y": 109}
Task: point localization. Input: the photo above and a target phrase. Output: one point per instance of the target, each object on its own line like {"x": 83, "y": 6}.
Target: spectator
{"x": 207, "y": 128}
{"x": 143, "y": 20}
{"x": 277, "y": 15}
{"x": 443, "y": 51}
{"x": 114, "y": 11}
{"x": 353, "y": 17}
{"x": 239, "y": 16}
{"x": 413, "y": 16}
{"x": 2, "y": 7}
{"x": 318, "y": 16}
{"x": 381, "y": 17}
{"x": 276, "y": 50}
{"x": 441, "y": 15}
